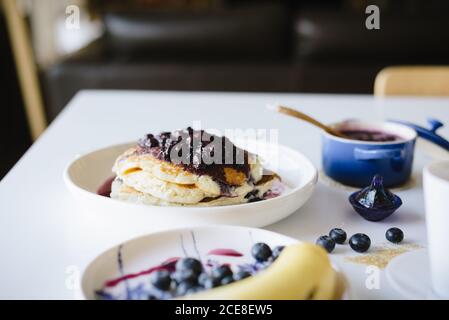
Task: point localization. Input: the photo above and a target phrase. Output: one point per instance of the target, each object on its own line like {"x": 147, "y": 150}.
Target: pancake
{"x": 145, "y": 182}
{"x": 261, "y": 191}
{"x": 200, "y": 153}
{"x": 121, "y": 191}
{"x": 134, "y": 163}
{"x": 183, "y": 168}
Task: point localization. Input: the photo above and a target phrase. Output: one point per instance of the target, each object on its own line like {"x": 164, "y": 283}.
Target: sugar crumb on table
{"x": 382, "y": 255}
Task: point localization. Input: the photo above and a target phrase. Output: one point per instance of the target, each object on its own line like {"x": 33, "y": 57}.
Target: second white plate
{"x": 131, "y": 260}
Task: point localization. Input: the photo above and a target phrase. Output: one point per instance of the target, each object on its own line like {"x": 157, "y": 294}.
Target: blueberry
{"x": 326, "y": 242}
{"x": 261, "y": 252}
{"x": 210, "y": 283}
{"x": 227, "y": 280}
{"x": 189, "y": 264}
{"x": 184, "y": 275}
{"x": 394, "y": 235}
{"x": 241, "y": 275}
{"x": 161, "y": 279}
{"x": 193, "y": 290}
{"x": 338, "y": 235}
{"x": 221, "y": 272}
{"x": 202, "y": 278}
{"x": 360, "y": 242}
{"x": 277, "y": 251}
{"x": 183, "y": 287}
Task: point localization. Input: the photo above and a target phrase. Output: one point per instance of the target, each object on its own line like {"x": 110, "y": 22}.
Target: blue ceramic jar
{"x": 355, "y": 162}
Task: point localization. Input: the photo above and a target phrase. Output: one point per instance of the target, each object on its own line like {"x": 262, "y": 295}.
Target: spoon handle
{"x": 305, "y": 117}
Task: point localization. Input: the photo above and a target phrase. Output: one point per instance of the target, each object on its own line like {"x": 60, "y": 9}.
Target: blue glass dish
{"x": 375, "y": 203}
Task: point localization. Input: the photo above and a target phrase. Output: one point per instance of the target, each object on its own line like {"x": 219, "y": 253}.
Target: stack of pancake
{"x": 149, "y": 173}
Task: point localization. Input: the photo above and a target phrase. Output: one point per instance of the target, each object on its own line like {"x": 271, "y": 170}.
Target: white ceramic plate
{"x": 84, "y": 175}
{"x": 140, "y": 254}
{"x": 409, "y": 274}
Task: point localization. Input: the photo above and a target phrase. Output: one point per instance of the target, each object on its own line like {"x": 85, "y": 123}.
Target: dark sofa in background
{"x": 257, "y": 46}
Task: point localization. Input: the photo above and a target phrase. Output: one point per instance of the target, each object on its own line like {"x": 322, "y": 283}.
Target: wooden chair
{"x": 415, "y": 81}
{"x": 412, "y": 81}
{"x": 26, "y": 68}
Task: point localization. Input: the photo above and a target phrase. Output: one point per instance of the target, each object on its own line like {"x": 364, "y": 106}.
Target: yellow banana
{"x": 302, "y": 271}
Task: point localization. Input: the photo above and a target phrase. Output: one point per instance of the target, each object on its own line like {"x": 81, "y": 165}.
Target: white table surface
{"x": 43, "y": 244}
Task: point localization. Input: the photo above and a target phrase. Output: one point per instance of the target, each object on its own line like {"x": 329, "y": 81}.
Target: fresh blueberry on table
{"x": 161, "y": 279}
{"x": 221, "y": 272}
{"x": 189, "y": 264}
{"x": 184, "y": 275}
{"x": 227, "y": 280}
{"x": 241, "y": 275}
{"x": 277, "y": 251}
{"x": 261, "y": 251}
{"x": 326, "y": 242}
{"x": 394, "y": 235}
{"x": 360, "y": 242}
{"x": 338, "y": 235}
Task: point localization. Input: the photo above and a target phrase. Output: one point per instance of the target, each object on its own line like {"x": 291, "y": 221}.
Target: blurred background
{"x": 51, "y": 49}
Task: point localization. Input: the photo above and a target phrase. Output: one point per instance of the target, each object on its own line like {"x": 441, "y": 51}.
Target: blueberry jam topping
{"x": 198, "y": 152}
{"x": 394, "y": 235}
{"x": 225, "y": 252}
{"x": 106, "y": 188}
{"x": 366, "y": 135}
{"x": 253, "y": 196}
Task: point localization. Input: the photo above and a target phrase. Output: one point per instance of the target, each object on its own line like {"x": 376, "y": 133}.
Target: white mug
{"x": 436, "y": 196}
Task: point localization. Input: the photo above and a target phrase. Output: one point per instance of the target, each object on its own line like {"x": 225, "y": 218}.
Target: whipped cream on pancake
{"x": 189, "y": 167}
